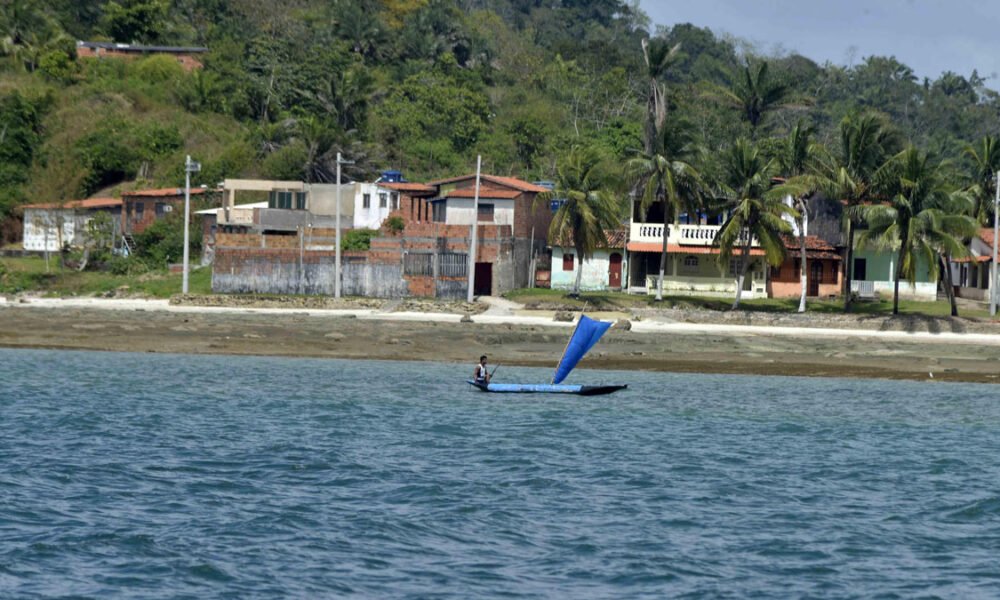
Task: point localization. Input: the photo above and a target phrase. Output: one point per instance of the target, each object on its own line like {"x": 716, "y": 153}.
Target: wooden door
{"x": 815, "y": 277}
{"x": 615, "y": 271}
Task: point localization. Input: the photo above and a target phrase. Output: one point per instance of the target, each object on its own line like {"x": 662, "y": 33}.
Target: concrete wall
{"x": 323, "y": 200}
{"x": 288, "y": 271}
{"x": 45, "y": 228}
{"x": 460, "y": 211}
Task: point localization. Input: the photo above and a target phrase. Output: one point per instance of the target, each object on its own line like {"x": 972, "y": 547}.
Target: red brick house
{"x": 824, "y": 265}
{"x": 141, "y": 208}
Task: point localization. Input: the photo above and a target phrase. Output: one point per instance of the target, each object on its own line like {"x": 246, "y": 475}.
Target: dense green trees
{"x": 424, "y": 85}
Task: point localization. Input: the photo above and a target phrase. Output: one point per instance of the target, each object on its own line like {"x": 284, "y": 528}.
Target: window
{"x": 691, "y": 261}
{"x": 281, "y": 199}
{"x": 735, "y": 264}
{"x": 485, "y": 213}
{"x": 453, "y": 264}
{"x": 300, "y": 200}
{"x": 395, "y": 201}
{"x": 366, "y": 201}
{"x": 568, "y": 262}
{"x": 383, "y": 200}
{"x": 439, "y": 211}
{"x": 139, "y": 208}
{"x": 160, "y": 209}
{"x": 418, "y": 264}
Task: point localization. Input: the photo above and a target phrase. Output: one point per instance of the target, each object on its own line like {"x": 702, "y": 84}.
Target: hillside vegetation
{"x": 418, "y": 85}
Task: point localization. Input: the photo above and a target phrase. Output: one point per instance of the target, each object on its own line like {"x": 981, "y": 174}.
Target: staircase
{"x": 128, "y": 244}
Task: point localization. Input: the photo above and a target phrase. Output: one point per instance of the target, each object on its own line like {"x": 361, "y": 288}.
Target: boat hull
{"x": 541, "y": 388}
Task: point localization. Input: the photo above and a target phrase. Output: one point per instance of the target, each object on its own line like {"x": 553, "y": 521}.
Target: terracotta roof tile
{"x": 483, "y": 193}
{"x": 511, "y": 182}
{"x": 986, "y": 235}
{"x": 162, "y": 192}
{"x": 812, "y": 243}
{"x": 675, "y": 249}
{"x": 409, "y": 187}
{"x": 614, "y": 238}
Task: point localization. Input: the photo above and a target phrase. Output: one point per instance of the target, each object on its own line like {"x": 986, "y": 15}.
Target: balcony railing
{"x": 680, "y": 235}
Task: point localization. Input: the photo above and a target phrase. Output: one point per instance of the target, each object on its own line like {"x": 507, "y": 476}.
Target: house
{"x": 141, "y": 208}
{"x": 291, "y": 205}
{"x": 605, "y": 270}
{"x": 189, "y": 58}
{"x": 428, "y": 257}
{"x": 875, "y": 274}
{"x": 971, "y": 276}
{"x": 692, "y": 258}
{"x": 51, "y": 226}
{"x": 241, "y": 213}
{"x": 373, "y": 202}
{"x": 824, "y": 275}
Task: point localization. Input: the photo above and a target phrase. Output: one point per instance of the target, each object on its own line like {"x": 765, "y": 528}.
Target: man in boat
{"x": 482, "y": 374}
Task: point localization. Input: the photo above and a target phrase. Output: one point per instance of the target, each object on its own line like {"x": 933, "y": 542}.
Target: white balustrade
{"x": 680, "y": 235}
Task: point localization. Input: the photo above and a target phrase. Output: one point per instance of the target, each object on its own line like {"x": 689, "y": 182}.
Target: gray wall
{"x": 272, "y": 275}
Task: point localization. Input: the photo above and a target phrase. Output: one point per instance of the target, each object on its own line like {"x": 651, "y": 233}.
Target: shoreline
{"x": 155, "y": 326}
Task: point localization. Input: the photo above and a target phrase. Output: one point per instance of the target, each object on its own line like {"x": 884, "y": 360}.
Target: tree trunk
{"x": 895, "y": 284}
{"x": 579, "y": 274}
{"x": 803, "y": 273}
{"x": 663, "y": 259}
{"x": 948, "y": 287}
{"x": 743, "y": 272}
{"x": 849, "y": 267}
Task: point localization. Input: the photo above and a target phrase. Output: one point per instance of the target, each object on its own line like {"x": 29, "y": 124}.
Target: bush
{"x": 358, "y": 239}
{"x": 162, "y": 242}
{"x": 395, "y": 225}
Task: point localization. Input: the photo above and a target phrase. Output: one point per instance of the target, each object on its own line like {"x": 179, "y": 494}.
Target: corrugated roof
{"x": 511, "y": 182}
{"x": 88, "y": 203}
{"x": 162, "y": 192}
{"x": 136, "y": 48}
{"x": 676, "y": 249}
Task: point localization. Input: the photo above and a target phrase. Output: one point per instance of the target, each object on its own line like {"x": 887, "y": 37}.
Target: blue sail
{"x": 586, "y": 334}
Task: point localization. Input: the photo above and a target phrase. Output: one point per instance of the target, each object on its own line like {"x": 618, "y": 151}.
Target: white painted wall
{"x": 460, "y": 211}
{"x": 41, "y": 228}
{"x": 373, "y": 216}
{"x": 595, "y": 270}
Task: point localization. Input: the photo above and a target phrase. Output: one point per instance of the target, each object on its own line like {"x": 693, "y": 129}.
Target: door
{"x": 615, "y": 271}
{"x": 815, "y": 277}
{"x": 484, "y": 279}
{"x": 860, "y": 269}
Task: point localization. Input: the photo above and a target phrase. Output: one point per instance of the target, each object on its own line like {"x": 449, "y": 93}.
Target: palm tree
{"x": 659, "y": 56}
{"x": 667, "y": 176}
{"x": 756, "y": 92}
{"x": 756, "y": 210}
{"x": 590, "y": 208}
{"x": 850, "y": 174}
{"x": 795, "y": 159}
{"x": 985, "y": 157}
{"x": 915, "y": 218}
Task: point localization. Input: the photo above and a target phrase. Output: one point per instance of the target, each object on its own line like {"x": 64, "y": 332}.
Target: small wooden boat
{"x": 587, "y": 333}
{"x": 543, "y": 388}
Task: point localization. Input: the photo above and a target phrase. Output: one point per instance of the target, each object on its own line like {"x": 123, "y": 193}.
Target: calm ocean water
{"x": 156, "y": 476}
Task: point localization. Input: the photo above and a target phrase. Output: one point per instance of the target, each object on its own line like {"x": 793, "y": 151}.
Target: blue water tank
{"x": 392, "y": 177}
{"x": 549, "y": 185}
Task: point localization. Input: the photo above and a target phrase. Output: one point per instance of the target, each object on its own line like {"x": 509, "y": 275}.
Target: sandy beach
{"x": 509, "y": 337}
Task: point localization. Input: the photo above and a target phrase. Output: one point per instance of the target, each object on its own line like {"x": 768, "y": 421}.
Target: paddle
{"x": 494, "y": 371}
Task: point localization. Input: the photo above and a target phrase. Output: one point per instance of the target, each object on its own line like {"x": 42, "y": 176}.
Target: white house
{"x": 52, "y": 226}
{"x": 971, "y": 276}
{"x": 605, "y": 270}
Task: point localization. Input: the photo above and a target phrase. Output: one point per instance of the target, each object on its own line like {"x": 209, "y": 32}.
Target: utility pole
{"x": 475, "y": 220}
{"x": 994, "y": 287}
{"x": 336, "y": 285}
{"x": 189, "y": 167}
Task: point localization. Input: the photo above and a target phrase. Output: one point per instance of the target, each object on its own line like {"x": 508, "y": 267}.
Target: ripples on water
{"x": 182, "y": 476}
